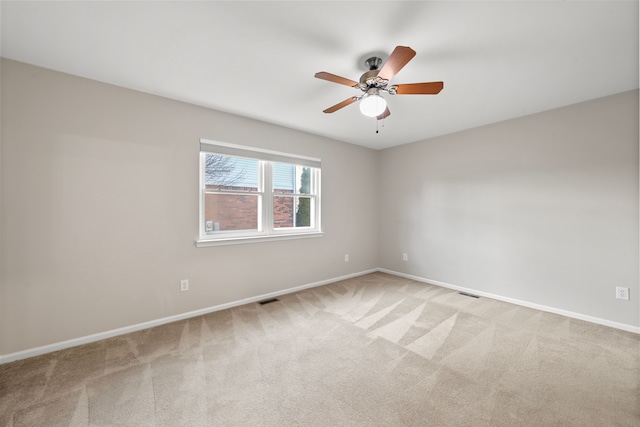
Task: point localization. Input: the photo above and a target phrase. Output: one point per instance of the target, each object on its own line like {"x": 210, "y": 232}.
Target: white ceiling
{"x": 498, "y": 60}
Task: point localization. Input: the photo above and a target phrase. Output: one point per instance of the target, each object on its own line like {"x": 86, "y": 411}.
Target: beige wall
{"x": 542, "y": 209}
{"x": 100, "y": 210}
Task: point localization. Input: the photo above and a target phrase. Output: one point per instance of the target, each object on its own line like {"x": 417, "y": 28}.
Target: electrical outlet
{"x": 184, "y": 285}
{"x": 622, "y": 293}
{"x": 405, "y": 257}
{"x": 346, "y": 257}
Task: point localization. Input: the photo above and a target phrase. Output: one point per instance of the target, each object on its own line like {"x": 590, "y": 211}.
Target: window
{"x": 249, "y": 194}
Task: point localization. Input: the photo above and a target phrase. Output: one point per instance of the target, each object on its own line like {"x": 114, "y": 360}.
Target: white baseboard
{"x": 597, "y": 320}
{"x": 37, "y": 351}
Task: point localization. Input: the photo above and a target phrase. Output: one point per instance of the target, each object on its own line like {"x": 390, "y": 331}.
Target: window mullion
{"x": 267, "y": 191}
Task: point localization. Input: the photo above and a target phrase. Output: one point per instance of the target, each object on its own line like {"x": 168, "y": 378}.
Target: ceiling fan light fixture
{"x": 372, "y": 104}
{"x": 376, "y": 80}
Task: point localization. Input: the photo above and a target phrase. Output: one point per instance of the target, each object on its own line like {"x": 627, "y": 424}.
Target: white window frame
{"x": 266, "y": 231}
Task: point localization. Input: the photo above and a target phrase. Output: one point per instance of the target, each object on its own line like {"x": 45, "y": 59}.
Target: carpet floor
{"x": 375, "y": 350}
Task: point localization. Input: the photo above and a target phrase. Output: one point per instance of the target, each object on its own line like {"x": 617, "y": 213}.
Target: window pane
{"x": 291, "y": 179}
{"x": 225, "y": 212}
{"x": 303, "y": 212}
{"x": 291, "y": 212}
{"x": 231, "y": 173}
{"x": 283, "y": 211}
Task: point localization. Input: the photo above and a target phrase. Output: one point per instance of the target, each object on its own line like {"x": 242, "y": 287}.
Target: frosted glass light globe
{"x": 372, "y": 105}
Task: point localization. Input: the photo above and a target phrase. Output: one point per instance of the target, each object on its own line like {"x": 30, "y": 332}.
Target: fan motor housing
{"x": 369, "y": 77}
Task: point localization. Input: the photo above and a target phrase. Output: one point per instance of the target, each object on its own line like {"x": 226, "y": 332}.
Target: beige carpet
{"x": 376, "y": 350}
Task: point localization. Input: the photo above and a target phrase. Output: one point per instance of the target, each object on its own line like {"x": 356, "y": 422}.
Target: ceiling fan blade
{"x": 400, "y": 56}
{"x": 341, "y": 105}
{"x": 431, "y": 88}
{"x": 336, "y": 79}
{"x": 386, "y": 113}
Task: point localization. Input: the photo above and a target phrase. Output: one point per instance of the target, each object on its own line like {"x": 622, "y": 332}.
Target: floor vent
{"x": 267, "y": 301}
{"x": 469, "y": 295}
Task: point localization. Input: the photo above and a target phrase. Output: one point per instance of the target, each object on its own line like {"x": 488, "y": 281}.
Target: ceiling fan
{"x": 376, "y": 80}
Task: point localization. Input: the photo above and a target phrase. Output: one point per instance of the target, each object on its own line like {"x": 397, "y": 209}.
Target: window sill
{"x": 256, "y": 239}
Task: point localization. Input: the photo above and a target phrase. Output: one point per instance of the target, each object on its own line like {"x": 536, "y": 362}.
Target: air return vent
{"x": 268, "y": 301}
{"x": 468, "y": 295}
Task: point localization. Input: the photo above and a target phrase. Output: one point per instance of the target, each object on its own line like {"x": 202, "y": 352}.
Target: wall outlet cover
{"x": 622, "y": 293}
